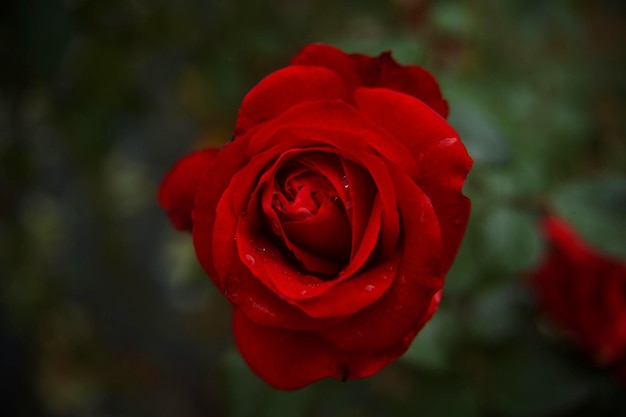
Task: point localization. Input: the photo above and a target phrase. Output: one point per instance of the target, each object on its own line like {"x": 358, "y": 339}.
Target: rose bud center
{"x": 313, "y": 218}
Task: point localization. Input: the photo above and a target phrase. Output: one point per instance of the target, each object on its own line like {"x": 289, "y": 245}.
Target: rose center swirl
{"x": 310, "y": 206}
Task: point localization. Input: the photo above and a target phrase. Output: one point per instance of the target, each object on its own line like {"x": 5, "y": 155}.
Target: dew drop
{"x": 458, "y": 219}
{"x": 403, "y": 279}
{"x": 344, "y": 182}
{"x": 369, "y": 288}
{"x": 389, "y": 268}
{"x": 305, "y": 211}
{"x": 250, "y": 259}
{"x": 348, "y": 205}
{"x": 304, "y": 292}
{"x": 444, "y": 143}
{"x": 398, "y": 307}
{"x": 385, "y": 277}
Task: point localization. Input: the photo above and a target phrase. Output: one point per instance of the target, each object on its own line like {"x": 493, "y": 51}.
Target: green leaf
{"x": 480, "y": 135}
{"x": 512, "y": 240}
{"x": 531, "y": 381}
{"x": 495, "y": 313}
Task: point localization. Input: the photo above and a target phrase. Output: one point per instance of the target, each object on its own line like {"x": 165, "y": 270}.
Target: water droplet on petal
{"x": 444, "y": 143}
{"x": 403, "y": 279}
{"x": 389, "y": 268}
{"x": 345, "y": 183}
{"x": 369, "y": 288}
{"x": 250, "y": 259}
{"x": 304, "y": 292}
{"x": 458, "y": 219}
{"x": 385, "y": 277}
{"x": 305, "y": 211}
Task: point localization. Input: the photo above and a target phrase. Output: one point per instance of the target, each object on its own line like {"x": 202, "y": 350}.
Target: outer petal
{"x": 285, "y": 88}
{"x": 177, "y": 192}
{"x": 211, "y": 185}
{"x": 290, "y": 360}
{"x": 444, "y": 162}
{"x": 350, "y": 130}
{"x": 262, "y": 306}
{"x": 332, "y": 58}
{"x": 383, "y": 71}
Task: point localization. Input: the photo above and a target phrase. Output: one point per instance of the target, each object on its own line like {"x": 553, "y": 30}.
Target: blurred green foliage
{"x": 105, "y": 311}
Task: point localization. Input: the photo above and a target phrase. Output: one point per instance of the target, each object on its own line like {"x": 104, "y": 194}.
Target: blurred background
{"x": 104, "y": 309}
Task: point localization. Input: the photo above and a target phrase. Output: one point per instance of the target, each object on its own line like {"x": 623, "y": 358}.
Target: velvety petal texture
{"x": 583, "y": 291}
{"x": 177, "y": 192}
{"x": 331, "y": 219}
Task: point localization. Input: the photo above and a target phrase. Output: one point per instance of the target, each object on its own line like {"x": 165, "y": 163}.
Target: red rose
{"x": 331, "y": 218}
{"x": 583, "y": 291}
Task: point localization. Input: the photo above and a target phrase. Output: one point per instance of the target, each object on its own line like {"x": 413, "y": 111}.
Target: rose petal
{"x": 383, "y": 71}
{"x": 287, "y": 230}
{"x": 262, "y": 306}
{"x": 285, "y": 88}
{"x": 290, "y": 360}
{"x": 237, "y": 229}
{"x": 357, "y": 191}
{"x": 177, "y": 192}
{"x": 353, "y": 145}
{"x": 361, "y": 193}
{"x": 331, "y": 58}
{"x": 335, "y": 123}
{"x": 211, "y": 185}
{"x": 336, "y": 297}
{"x": 582, "y": 291}
{"x": 327, "y": 234}
{"x": 217, "y": 240}
{"x": 444, "y": 162}
{"x": 418, "y": 277}
{"x": 565, "y": 242}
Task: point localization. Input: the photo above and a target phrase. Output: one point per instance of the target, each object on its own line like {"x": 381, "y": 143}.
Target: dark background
{"x": 105, "y": 311}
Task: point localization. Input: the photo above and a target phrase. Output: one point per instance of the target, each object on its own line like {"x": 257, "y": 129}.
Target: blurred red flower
{"x": 584, "y": 292}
